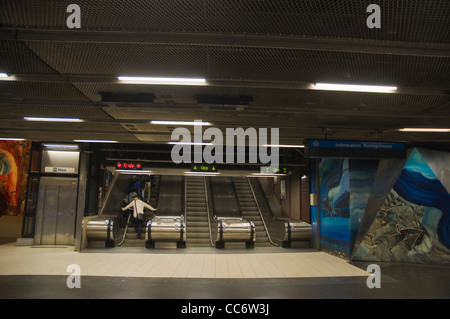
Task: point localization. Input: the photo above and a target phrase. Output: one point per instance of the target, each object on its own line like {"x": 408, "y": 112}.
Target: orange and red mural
{"x": 14, "y": 162}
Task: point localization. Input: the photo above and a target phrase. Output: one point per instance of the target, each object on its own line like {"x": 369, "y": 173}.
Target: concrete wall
{"x": 10, "y": 228}
{"x": 291, "y": 203}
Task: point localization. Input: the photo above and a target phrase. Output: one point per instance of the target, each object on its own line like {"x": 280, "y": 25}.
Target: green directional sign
{"x": 279, "y": 170}
{"x": 204, "y": 168}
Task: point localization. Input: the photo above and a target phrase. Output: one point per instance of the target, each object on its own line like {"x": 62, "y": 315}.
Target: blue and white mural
{"x": 413, "y": 224}
{"x": 345, "y": 186}
{"x": 335, "y": 205}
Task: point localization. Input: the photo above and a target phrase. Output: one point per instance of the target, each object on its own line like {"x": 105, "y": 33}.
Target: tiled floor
{"x": 206, "y": 273}
{"x": 171, "y": 263}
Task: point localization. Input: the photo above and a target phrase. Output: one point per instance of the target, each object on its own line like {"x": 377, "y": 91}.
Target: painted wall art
{"x": 14, "y": 162}
{"x": 394, "y": 210}
{"x": 345, "y": 185}
{"x": 413, "y": 223}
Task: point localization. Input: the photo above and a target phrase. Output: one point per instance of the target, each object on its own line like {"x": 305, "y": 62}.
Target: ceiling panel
{"x": 259, "y": 57}
{"x": 406, "y": 20}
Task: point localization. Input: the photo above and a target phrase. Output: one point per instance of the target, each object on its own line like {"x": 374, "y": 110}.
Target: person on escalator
{"x": 135, "y": 185}
{"x": 129, "y": 196}
{"x": 138, "y": 213}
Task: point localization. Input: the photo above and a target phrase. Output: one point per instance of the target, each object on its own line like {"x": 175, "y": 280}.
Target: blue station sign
{"x": 354, "y": 149}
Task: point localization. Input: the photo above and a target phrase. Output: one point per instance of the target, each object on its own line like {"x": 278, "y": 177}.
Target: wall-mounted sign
{"x": 354, "y": 149}
{"x": 59, "y": 170}
{"x": 127, "y": 165}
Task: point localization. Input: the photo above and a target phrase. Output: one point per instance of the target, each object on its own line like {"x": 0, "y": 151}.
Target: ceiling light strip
{"x": 162, "y": 80}
{"x": 52, "y": 119}
{"x": 426, "y": 130}
{"x": 195, "y": 123}
{"x": 189, "y": 143}
{"x": 60, "y": 146}
{"x": 284, "y": 146}
{"x": 95, "y": 141}
{"x": 11, "y": 139}
{"x": 354, "y": 88}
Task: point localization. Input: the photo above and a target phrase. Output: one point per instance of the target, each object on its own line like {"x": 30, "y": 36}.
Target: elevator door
{"x": 55, "y": 217}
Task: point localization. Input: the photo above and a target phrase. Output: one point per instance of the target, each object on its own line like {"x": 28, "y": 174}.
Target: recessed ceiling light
{"x": 72, "y": 146}
{"x": 426, "y": 130}
{"x": 276, "y": 145}
{"x": 162, "y": 80}
{"x": 11, "y": 139}
{"x": 354, "y": 88}
{"x": 266, "y": 174}
{"x": 202, "y": 173}
{"x": 51, "y": 119}
{"x": 133, "y": 172}
{"x": 180, "y": 123}
{"x": 95, "y": 141}
{"x": 190, "y": 143}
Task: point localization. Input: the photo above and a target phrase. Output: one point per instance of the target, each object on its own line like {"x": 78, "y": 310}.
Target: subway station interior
{"x": 280, "y": 149}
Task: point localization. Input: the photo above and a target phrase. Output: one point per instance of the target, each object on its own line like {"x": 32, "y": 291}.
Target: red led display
{"x": 128, "y": 165}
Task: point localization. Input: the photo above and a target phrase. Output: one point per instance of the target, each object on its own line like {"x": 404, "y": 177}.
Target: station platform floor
{"x": 41, "y": 272}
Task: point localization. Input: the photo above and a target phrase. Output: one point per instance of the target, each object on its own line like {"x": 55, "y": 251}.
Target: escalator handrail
{"x": 212, "y": 198}
{"x": 183, "y": 197}
{"x": 207, "y": 211}
{"x": 260, "y": 214}
{"x": 267, "y": 203}
{"x": 125, "y": 232}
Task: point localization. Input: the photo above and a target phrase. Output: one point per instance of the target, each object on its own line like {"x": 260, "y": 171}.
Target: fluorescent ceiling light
{"x": 196, "y": 123}
{"x": 95, "y": 141}
{"x": 275, "y": 145}
{"x": 354, "y": 88}
{"x": 267, "y": 174}
{"x": 133, "y": 172}
{"x": 11, "y": 139}
{"x": 3, "y": 75}
{"x": 158, "y": 80}
{"x": 202, "y": 173}
{"x": 52, "y": 119}
{"x": 426, "y": 130}
{"x": 190, "y": 143}
{"x": 60, "y": 145}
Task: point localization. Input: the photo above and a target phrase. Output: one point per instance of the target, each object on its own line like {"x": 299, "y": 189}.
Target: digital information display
{"x": 126, "y": 165}
{"x": 210, "y": 168}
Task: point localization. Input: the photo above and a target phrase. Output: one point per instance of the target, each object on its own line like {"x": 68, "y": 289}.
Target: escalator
{"x": 170, "y": 200}
{"x": 232, "y": 227}
{"x": 197, "y": 213}
{"x": 223, "y": 195}
{"x": 111, "y": 222}
{"x": 167, "y": 197}
{"x": 250, "y": 209}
